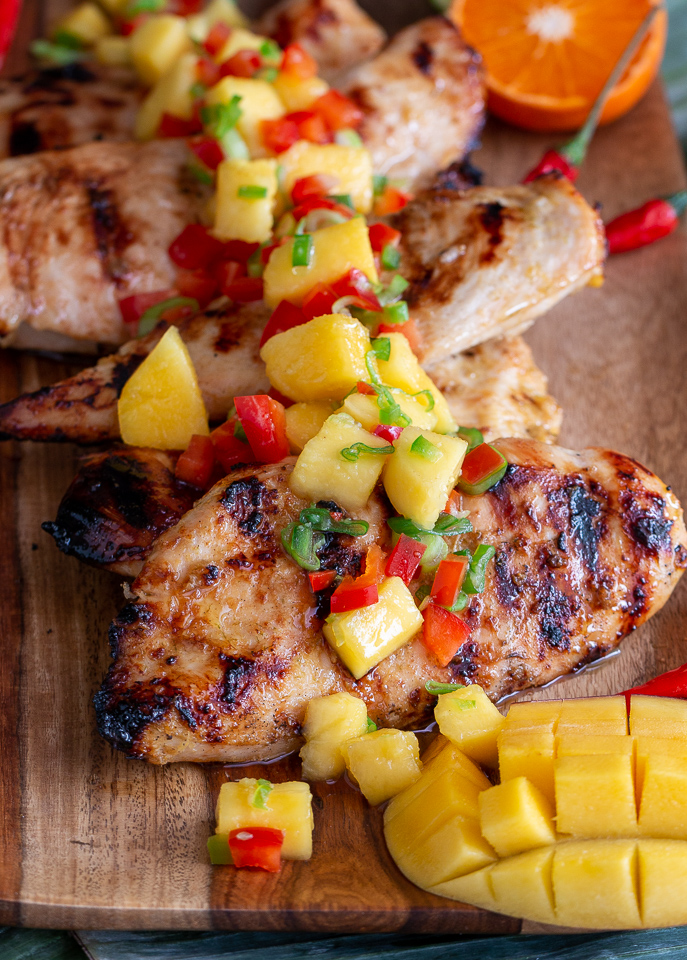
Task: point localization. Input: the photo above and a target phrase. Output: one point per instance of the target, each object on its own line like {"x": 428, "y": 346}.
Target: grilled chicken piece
{"x": 488, "y": 261}
{"x": 220, "y": 650}
{"x": 65, "y": 106}
{"x": 422, "y": 100}
{"x": 117, "y": 506}
{"x": 84, "y": 227}
{"x": 338, "y": 34}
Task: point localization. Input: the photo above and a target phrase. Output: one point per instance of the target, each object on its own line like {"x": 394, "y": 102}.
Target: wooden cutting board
{"x": 90, "y": 839}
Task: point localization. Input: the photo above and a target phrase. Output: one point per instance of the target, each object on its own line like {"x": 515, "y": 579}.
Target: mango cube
{"x": 595, "y": 796}
{"x": 658, "y": 717}
{"x": 239, "y": 39}
{"x": 470, "y": 720}
{"x": 418, "y": 485}
{"x": 304, "y": 421}
{"x": 646, "y": 747}
{"x": 365, "y": 410}
{"x": 258, "y": 102}
{"x": 594, "y": 884}
{"x": 112, "y": 51}
{"x": 322, "y": 473}
{"x": 299, "y": 94}
{"x": 171, "y": 94}
{"x": 363, "y": 637}
{"x": 450, "y": 795}
{"x": 583, "y": 744}
{"x": 161, "y": 405}
{"x": 527, "y": 753}
{"x": 403, "y": 370}
{"x": 319, "y": 360}
{"x": 596, "y": 715}
{"x": 663, "y": 806}
{"x": 542, "y": 714}
{"x": 335, "y": 251}
{"x": 329, "y": 723}
{"x": 523, "y": 885}
{"x": 662, "y": 882}
{"x": 87, "y": 23}
{"x": 383, "y": 763}
{"x": 239, "y": 217}
{"x": 287, "y": 807}
{"x": 474, "y": 888}
{"x": 157, "y": 44}
{"x": 453, "y": 850}
{"x": 514, "y": 816}
{"x": 350, "y": 165}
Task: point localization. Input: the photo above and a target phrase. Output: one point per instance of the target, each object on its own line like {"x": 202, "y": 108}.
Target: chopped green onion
{"x": 299, "y": 229}
{"x": 254, "y": 265}
{"x": 268, "y": 74}
{"x": 251, "y": 191}
{"x": 218, "y": 848}
{"x": 381, "y": 347}
{"x": 262, "y": 792}
{"x": 348, "y": 138}
{"x": 54, "y": 53}
{"x": 65, "y": 39}
{"x": 396, "y": 312}
{"x": 463, "y": 704}
{"x": 302, "y": 544}
{"x": 390, "y": 413}
{"x": 425, "y": 449}
{"x": 270, "y": 50}
{"x": 353, "y": 452}
{"x": 370, "y": 356}
{"x": 219, "y": 118}
{"x": 343, "y": 198}
{"x": 201, "y": 174}
{"x": 379, "y": 183}
{"x": 446, "y": 526}
{"x": 429, "y": 395}
{"x": 435, "y": 552}
{"x": 393, "y": 291}
{"x": 460, "y": 603}
{"x": 143, "y": 6}
{"x": 422, "y": 592}
{"x": 436, "y": 688}
{"x": 233, "y": 145}
{"x": 302, "y": 250}
{"x": 476, "y": 576}
{"x": 390, "y": 258}
{"x": 152, "y": 315}
{"x": 320, "y": 519}
{"x": 472, "y": 437}
{"x": 371, "y": 725}
{"x": 198, "y": 91}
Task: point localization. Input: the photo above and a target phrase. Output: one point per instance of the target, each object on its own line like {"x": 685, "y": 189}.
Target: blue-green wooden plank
{"x": 38, "y": 944}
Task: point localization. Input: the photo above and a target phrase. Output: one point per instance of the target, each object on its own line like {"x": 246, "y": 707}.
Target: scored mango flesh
{"x": 586, "y": 828}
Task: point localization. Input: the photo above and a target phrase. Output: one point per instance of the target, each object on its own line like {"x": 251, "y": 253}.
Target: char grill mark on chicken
{"x": 221, "y": 650}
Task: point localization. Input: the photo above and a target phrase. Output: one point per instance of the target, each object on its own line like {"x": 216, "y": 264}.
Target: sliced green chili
{"x": 436, "y": 688}
{"x": 302, "y": 250}
{"x": 251, "y": 191}
{"x": 262, "y": 792}
{"x": 151, "y": 317}
{"x": 353, "y": 452}
{"x": 472, "y": 436}
{"x": 422, "y": 447}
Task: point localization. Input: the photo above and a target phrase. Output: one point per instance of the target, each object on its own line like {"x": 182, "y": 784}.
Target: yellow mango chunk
{"x": 157, "y": 44}
{"x": 321, "y": 473}
{"x": 468, "y": 718}
{"x": 595, "y": 796}
{"x": 319, "y": 360}
{"x": 329, "y": 723}
{"x": 383, "y": 763}
{"x": 365, "y": 410}
{"x": 662, "y": 882}
{"x": 403, "y": 370}
{"x": 453, "y": 850}
{"x": 417, "y": 485}
{"x": 361, "y": 638}
{"x": 514, "y": 816}
{"x": 597, "y": 715}
{"x": 240, "y": 217}
{"x": 86, "y": 22}
{"x": 523, "y": 885}
{"x": 299, "y": 94}
{"x": 527, "y": 753}
{"x": 335, "y": 251}
{"x": 663, "y": 805}
{"x": 112, "y": 51}
{"x": 258, "y": 102}
{"x": 239, "y": 39}
{"x": 646, "y": 747}
{"x": 542, "y": 714}
{"x": 304, "y": 421}
{"x": 594, "y": 884}
{"x": 350, "y": 165}
{"x": 287, "y": 807}
{"x": 658, "y": 717}
{"x": 474, "y": 888}
{"x": 450, "y": 795}
{"x": 584, "y": 744}
{"x": 171, "y": 94}
{"x": 161, "y": 405}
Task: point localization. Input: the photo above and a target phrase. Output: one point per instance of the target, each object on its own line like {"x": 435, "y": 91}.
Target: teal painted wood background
{"x": 103, "y": 945}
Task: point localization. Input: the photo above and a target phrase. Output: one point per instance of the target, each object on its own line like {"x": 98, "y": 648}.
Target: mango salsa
{"x": 351, "y": 166}
{"x": 171, "y": 94}
{"x": 286, "y": 806}
{"x": 157, "y": 44}
{"x": 258, "y": 102}
{"x": 238, "y": 214}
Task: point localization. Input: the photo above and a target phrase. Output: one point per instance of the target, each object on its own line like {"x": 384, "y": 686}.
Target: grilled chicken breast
{"x": 488, "y": 261}
{"x": 220, "y": 650}
{"x": 422, "y": 100}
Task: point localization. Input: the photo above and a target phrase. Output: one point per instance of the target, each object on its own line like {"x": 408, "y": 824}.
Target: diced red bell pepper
{"x": 444, "y": 633}
{"x": 337, "y": 111}
{"x": 408, "y": 329}
{"x": 207, "y": 72}
{"x": 310, "y": 125}
{"x": 227, "y": 272}
{"x": 217, "y": 36}
{"x": 264, "y": 422}
{"x": 449, "y": 579}
{"x": 356, "y": 284}
{"x": 127, "y": 27}
{"x": 245, "y": 289}
{"x": 391, "y": 201}
{"x": 279, "y": 135}
{"x": 284, "y": 317}
{"x": 132, "y": 308}
{"x": 239, "y": 250}
{"x": 365, "y": 388}
{"x": 454, "y": 504}
{"x": 280, "y": 398}
{"x": 297, "y": 62}
{"x": 195, "y": 464}
{"x": 405, "y": 558}
{"x": 321, "y": 579}
{"x": 319, "y": 301}
{"x": 482, "y": 468}
{"x": 244, "y": 63}
{"x": 171, "y": 126}
{"x": 363, "y": 591}
{"x": 387, "y": 432}
{"x": 208, "y": 151}
{"x": 195, "y": 247}
{"x": 198, "y": 284}
{"x": 186, "y": 8}
{"x": 320, "y": 203}
{"x": 317, "y": 185}
{"x": 381, "y": 235}
{"x": 257, "y": 847}
{"x": 229, "y": 450}
{"x": 8, "y": 22}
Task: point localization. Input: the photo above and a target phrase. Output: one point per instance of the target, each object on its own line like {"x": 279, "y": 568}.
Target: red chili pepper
{"x": 227, "y": 272}
{"x": 321, "y": 579}
{"x": 381, "y": 235}
{"x": 405, "y": 558}
{"x": 245, "y": 289}
{"x": 229, "y": 450}
{"x": 9, "y": 13}
{"x": 244, "y": 63}
{"x": 257, "y": 847}
{"x": 207, "y": 72}
{"x": 316, "y": 185}
{"x": 553, "y": 162}
{"x": 391, "y": 201}
{"x": 444, "y": 633}
{"x": 319, "y": 301}
{"x": 408, "y": 329}
{"x": 449, "y": 579}
{"x": 218, "y": 35}
{"x": 670, "y": 684}
{"x": 195, "y": 247}
{"x": 387, "y": 432}
{"x": 482, "y": 468}
{"x": 264, "y": 423}
{"x": 284, "y": 317}
{"x": 198, "y": 284}
{"x": 648, "y": 223}
{"x": 298, "y": 63}
{"x": 208, "y": 151}
{"x": 337, "y": 111}
{"x": 279, "y": 135}
{"x": 132, "y": 308}
{"x": 171, "y": 126}
{"x": 196, "y": 463}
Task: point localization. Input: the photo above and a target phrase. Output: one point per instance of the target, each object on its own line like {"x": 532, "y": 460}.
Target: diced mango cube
{"x": 597, "y": 715}
{"x": 157, "y": 44}
{"x": 383, "y": 763}
{"x": 171, "y": 94}
{"x": 527, "y": 753}
{"x": 663, "y": 805}
{"x": 658, "y": 717}
{"x": 585, "y": 744}
{"x": 453, "y": 850}
{"x": 322, "y": 473}
{"x": 319, "y": 360}
{"x": 523, "y": 885}
{"x": 662, "y": 882}
{"x": 363, "y": 637}
{"x": 533, "y": 713}
{"x": 444, "y": 797}
{"x": 240, "y": 217}
{"x": 417, "y": 485}
{"x": 514, "y": 816}
{"x": 335, "y": 251}
{"x": 403, "y": 370}
{"x": 468, "y": 718}
{"x": 594, "y": 884}
{"x": 329, "y": 723}
{"x": 646, "y": 747}
{"x": 258, "y": 102}
{"x": 161, "y": 405}
{"x": 304, "y": 421}
{"x": 350, "y": 165}
{"x": 595, "y": 796}
{"x": 299, "y": 94}
{"x": 86, "y": 22}
{"x": 113, "y": 51}
{"x": 474, "y": 888}
{"x": 365, "y": 410}
{"x": 239, "y": 39}
{"x": 287, "y": 807}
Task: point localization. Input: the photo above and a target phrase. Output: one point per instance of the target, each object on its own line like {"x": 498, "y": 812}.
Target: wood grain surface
{"x": 90, "y": 839}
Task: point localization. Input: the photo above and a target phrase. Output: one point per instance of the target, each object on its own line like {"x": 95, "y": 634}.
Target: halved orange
{"x": 547, "y": 60}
